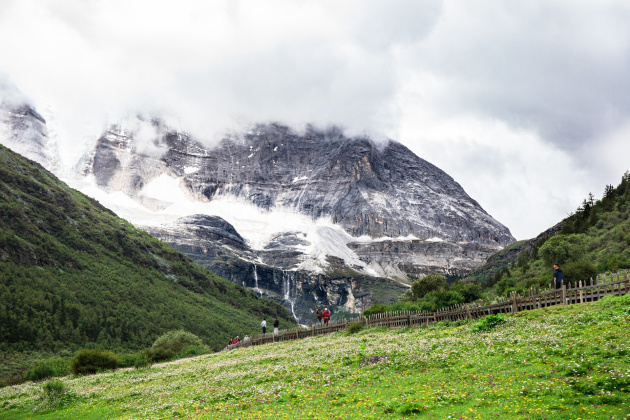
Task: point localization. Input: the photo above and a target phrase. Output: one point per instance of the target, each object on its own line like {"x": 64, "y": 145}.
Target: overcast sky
{"x": 525, "y": 104}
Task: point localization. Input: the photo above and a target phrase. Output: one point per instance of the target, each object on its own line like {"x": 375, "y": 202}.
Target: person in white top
{"x": 264, "y": 326}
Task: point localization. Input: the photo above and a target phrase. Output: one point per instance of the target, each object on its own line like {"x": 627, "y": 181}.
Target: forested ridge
{"x": 73, "y": 274}
{"x": 594, "y": 239}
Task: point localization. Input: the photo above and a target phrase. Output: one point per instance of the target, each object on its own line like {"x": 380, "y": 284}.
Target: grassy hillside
{"x": 558, "y": 363}
{"x": 72, "y": 274}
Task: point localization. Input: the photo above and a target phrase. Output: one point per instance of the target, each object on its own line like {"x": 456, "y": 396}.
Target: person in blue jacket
{"x": 558, "y": 276}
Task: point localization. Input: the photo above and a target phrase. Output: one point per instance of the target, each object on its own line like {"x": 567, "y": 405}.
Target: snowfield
{"x": 255, "y": 225}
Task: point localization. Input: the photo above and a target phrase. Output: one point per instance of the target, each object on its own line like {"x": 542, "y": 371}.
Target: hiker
{"x": 246, "y": 340}
{"x": 319, "y": 314}
{"x": 276, "y": 324}
{"x": 264, "y": 326}
{"x": 326, "y": 316}
{"x": 558, "y": 276}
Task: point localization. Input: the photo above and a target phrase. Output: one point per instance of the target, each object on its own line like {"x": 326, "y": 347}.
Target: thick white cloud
{"x": 498, "y": 94}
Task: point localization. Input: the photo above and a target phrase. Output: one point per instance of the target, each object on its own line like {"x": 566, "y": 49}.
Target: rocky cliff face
{"x": 214, "y": 243}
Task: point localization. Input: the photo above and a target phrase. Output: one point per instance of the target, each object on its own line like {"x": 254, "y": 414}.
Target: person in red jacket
{"x": 326, "y": 316}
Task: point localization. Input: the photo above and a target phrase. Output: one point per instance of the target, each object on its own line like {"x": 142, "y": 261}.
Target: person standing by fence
{"x": 319, "y": 314}
{"x": 326, "y": 316}
{"x": 264, "y": 326}
{"x": 558, "y": 276}
{"x": 276, "y": 324}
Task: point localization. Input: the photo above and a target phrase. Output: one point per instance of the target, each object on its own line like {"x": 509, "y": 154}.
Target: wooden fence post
{"x": 564, "y": 294}
{"x": 514, "y": 303}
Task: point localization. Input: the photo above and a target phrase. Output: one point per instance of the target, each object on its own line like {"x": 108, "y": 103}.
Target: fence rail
{"x": 570, "y": 294}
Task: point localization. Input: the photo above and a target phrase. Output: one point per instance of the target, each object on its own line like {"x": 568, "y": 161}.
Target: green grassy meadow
{"x": 570, "y": 362}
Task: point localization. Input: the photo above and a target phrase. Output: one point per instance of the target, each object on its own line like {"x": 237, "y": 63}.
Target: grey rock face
{"x": 369, "y": 190}
{"x": 301, "y": 292}
{"x": 201, "y": 235}
{"x": 24, "y": 131}
{"x": 418, "y": 258}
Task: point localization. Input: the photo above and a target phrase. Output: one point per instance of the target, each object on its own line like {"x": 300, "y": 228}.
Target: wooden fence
{"x": 588, "y": 291}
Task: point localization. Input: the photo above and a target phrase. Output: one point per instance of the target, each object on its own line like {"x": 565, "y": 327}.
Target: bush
{"x": 405, "y": 306}
{"x": 141, "y": 361}
{"x": 355, "y": 327}
{"x": 488, "y": 323}
{"x": 469, "y": 291}
{"x": 176, "y": 342}
{"x": 578, "y": 270}
{"x": 564, "y": 248}
{"x": 379, "y": 308}
{"x": 92, "y": 361}
{"x": 439, "y": 299}
{"x": 137, "y": 360}
{"x": 54, "y": 389}
{"x": 159, "y": 354}
{"x": 193, "y": 351}
{"x": 48, "y": 369}
{"x": 427, "y": 284}
{"x": 341, "y": 315}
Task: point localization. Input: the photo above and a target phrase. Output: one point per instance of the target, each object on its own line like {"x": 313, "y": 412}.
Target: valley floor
{"x": 564, "y": 362}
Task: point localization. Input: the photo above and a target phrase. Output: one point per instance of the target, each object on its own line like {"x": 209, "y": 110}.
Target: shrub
{"x": 355, "y": 327}
{"x": 137, "y": 360}
{"x": 469, "y": 291}
{"x": 564, "y": 248}
{"x": 427, "y": 284}
{"x": 193, "y": 351}
{"x": 578, "y": 270}
{"x": 341, "y": 315}
{"x": 128, "y": 359}
{"x": 141, "y": 361}
{"x": 54, "y": 389}
{"x": 488, "y": 323}
{"x": 92, "y": 361}
{"x": 48, "y": 369}
{"x": 159, "y": 354}
{"x": 176, "y": 341}
{"x": 376, "y": 309}
{"x": 439, "y": 299}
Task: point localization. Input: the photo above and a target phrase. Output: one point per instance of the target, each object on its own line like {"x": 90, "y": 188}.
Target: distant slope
{"x": 509, "y": 255}
{"x": 74, "y": 274}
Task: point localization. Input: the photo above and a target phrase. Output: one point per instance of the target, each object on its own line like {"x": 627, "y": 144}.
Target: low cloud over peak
{"x": 448, "y": 79}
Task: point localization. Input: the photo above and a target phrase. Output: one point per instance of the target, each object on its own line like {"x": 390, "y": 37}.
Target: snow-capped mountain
{"x": 310, "y": 194}
{"x": 300, "y": 217}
